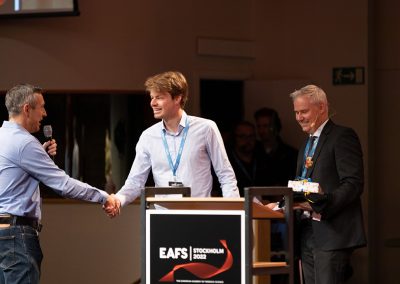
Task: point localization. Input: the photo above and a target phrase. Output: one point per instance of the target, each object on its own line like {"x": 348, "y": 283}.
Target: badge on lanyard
{"x": 175, "y": 183}
{"x": 174, "y": 167}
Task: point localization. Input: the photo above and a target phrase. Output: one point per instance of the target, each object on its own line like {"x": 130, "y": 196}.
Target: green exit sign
{"x": 348, "y": 76}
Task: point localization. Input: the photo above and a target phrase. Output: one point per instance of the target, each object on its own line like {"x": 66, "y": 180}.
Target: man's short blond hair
{"x": 172, "y": 82}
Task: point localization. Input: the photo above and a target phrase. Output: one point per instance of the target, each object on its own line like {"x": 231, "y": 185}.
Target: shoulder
{"x": 337, "y": 129}
{"x": 202, "y": 123}
{"x": 17, "y": 138}
{"x": 342, "y": 136}
{"x": 155, "y": 128}
{"x": 200, "y": 120}
{"x": 150, "y": 136}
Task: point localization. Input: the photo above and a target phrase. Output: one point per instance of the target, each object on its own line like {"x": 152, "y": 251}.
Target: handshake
{"x": 112, "y": 207}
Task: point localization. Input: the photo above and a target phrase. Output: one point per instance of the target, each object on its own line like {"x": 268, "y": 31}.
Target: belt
{"x": 20, "y": 221}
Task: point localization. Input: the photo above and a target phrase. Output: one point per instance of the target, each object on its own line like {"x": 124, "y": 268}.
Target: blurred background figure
{"x": 283, "y": 161}
{"x": 282, "y": 156}
{"x": 249, "y": 162}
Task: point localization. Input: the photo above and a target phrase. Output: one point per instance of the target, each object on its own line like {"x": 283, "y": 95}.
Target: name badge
{"x": 175, "y": 183}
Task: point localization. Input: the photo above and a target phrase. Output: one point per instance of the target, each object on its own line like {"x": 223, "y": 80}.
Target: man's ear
{"x": 178, "y": 99}
{"x": 25, "y": 108}
{"x": 322, "y": 108}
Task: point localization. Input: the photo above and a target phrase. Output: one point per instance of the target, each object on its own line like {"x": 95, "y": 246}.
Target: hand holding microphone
{"x": 50, "y": 145}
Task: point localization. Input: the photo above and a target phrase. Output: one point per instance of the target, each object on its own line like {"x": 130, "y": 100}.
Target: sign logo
{"x": 194, "y": 246}
{"x": 199, "y": 269}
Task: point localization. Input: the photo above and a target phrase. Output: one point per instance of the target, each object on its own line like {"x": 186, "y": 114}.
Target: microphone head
{"x": 47, "y": 131}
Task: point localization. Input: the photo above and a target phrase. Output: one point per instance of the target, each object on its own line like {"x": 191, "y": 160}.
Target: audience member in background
{"x": 250, "y": 165}
{"x": 283, "y": 157}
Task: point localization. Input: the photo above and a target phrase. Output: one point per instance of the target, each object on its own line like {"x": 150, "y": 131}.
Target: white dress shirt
{"x": 203, "y": 147}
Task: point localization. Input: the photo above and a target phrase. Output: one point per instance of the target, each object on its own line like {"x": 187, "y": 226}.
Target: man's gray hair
{"x": 19, "y": 95}
{"x": 315, "y": 93}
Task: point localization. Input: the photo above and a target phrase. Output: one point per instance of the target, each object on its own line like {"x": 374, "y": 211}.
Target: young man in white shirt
{"x": 179, "y": 150}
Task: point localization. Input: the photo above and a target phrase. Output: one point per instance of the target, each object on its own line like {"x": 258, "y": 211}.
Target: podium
{"x": 204, "y": 240}
{"x": 269, "y": 267}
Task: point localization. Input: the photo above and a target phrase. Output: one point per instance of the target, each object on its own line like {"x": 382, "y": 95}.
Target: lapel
{"x": 300, "y": 159}
{"x": 321, "y": 141}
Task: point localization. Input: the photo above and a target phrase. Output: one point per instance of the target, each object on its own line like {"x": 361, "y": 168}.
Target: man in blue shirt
{"x": 23, "y": 164}
{"x": 180, "y": 149}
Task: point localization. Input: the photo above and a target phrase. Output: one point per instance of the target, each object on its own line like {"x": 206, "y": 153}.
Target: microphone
{"x": 48, "y": 133}
{"x": 315, "y": 121}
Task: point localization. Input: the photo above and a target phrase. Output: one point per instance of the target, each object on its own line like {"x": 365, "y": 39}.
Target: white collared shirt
{"x": 317, "y": 133}
{"x": 203, "y": 148}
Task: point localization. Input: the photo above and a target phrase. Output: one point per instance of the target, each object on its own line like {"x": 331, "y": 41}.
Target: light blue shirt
{"x": 23, "y": 164}
{"x": 203, "y": 147}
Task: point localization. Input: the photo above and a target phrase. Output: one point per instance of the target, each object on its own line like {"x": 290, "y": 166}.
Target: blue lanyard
{"x": 309, "y": 152}
{"x": 172, "y": 166}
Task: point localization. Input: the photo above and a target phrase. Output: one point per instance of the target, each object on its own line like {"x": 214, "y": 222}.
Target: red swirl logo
{"x": 202, "y": 270}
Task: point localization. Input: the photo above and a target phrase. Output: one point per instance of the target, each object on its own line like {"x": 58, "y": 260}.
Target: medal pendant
{"x": 308, "y": 162}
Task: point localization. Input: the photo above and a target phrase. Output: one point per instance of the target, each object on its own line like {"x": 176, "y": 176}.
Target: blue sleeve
{"x": 35, "y": 161}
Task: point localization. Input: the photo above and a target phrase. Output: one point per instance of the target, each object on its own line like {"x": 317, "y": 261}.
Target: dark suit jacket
{"x": 338, "y": 168}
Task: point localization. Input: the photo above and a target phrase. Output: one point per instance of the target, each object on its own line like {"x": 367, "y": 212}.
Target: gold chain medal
{"x": 309, "y": 162}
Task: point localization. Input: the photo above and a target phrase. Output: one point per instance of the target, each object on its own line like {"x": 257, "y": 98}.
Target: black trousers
{"x": 319, "y": 266}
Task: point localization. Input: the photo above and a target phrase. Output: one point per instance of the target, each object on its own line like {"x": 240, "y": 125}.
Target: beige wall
{"x": 112, "y": 47}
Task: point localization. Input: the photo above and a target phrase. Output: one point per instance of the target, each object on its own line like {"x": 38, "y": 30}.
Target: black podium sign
{"x": 195, "y": 246}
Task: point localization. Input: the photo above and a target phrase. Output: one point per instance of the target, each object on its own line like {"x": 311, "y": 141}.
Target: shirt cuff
{"x": 104, "y": 197}
{"x": 121, "y": 198}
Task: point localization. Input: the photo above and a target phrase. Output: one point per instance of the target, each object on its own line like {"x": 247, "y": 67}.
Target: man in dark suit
{"x": 331, "y": 226}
